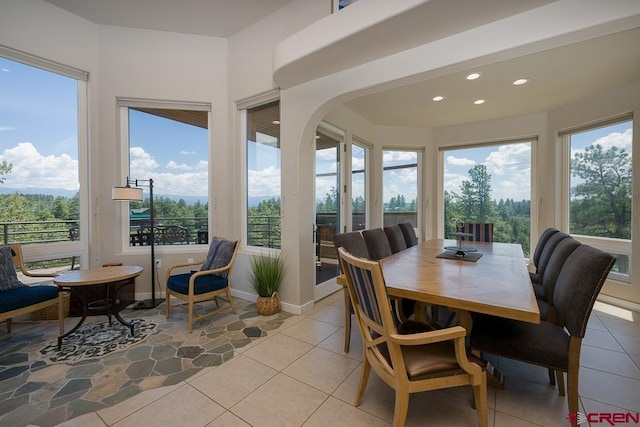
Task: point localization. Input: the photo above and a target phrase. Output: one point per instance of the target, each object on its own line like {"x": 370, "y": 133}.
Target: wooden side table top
{"x": 96, "y": 276}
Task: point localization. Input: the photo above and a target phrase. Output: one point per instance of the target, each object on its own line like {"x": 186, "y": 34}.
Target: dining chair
{"x": 395, "y": 238}
{"x": 555, "y": 345}
{"x": 542, "y": 241}
{"x": 545, "y": 256}
{"x": 480, "y": 231}
{"x": 409, "y": 233}
{"x": 354, "y": 243}
{"x": 377, "y": 243}
{"x": 408, "y": 363}
{"x": 211, "y": 282}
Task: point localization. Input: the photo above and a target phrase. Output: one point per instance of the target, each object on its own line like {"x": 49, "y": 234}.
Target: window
{"x": 263, "y": 175}
{"x": 168, "y": 143}
{"x": 600, "y": 189}
{"x": 359, "y": 154}
{"x": 400, "y": 187}
{"x": 490, "y": 184}
{"x": 43, "y": 126}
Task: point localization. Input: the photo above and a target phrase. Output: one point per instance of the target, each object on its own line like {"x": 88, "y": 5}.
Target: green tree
{"x": 60, "y": 208}
{"x": 601, "y": 202}
{"x": 481, "y": 184}
{"x": 5, "y": 169}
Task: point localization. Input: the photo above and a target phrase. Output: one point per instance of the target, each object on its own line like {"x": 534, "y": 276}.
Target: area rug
{"x": 96, "y": 340}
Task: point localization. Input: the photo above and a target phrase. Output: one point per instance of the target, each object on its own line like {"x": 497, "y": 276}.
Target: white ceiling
{"x": 218, "y": 18}
{"x": 558, "y": 76}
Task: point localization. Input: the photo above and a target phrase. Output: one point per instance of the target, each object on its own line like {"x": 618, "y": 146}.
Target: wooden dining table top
{"x": 498, "y": 283}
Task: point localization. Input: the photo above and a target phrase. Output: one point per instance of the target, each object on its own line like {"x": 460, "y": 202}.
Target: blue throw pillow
{"x": 8, "y": 277}
{"x": 220, "y": 253}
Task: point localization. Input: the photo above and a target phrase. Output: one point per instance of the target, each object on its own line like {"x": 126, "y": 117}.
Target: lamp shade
{"x": 126, "y": 194}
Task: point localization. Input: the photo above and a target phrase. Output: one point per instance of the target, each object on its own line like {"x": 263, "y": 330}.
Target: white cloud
{"x": 6, "y": 128}
{"x": 614, "y": 139}
{"x": 265, "y": 182}
{"x": 509, "y": 159}
{"x": 460, "y": 161}
{"x": 187, "y": 153}
{"x": 174, "y": 165}
{"x": 395, "y": 156}
{"x": 6, "y": 70}
{"x": 34, "y": 170}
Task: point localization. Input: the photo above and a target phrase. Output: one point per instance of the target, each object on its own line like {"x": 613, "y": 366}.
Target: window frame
{"x": 610, "y": 245}
{"x": 80, "y": 247}
{"x": 420, "y": 196}
{"x": 123, "y": 104}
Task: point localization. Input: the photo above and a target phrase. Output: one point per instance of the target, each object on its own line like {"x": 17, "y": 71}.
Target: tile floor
{"x": 299, "y": 376}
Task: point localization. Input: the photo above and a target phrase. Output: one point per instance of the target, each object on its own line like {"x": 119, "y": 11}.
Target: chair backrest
{"x": 377, "y": 243}
{"x": 578, "y": 285}
{"x": 547, "y": 252}
{"x": 368, "y": 295}
{"x": 409, "y": 233}
{"x": 395, "y": 238}
{"x": 480, "y": 231}
{"x": 554, "y": 266}
{"x": 353, "y": 242}
{"x": 542, "y": 241}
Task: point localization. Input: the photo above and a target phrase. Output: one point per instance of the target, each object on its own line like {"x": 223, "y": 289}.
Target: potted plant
{"x": 266, "y": 274}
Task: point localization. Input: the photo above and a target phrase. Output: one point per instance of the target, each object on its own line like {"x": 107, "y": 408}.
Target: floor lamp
{"x": 131, "y": 194}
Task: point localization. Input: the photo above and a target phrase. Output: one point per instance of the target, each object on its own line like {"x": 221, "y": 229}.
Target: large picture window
{"x": 400, "y": 177}
{"x": 168, "y": 143}
{"x": 490, "y": 184}
{"x": 43, "y": 126}
{"x": 600, "y": 189}
{"x": 263, "y": 175}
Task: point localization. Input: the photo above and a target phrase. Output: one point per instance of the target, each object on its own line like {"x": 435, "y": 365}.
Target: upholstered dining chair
{"x": 409, "y": 234}
{"x": 395, "y": 238}
{"x": 408, "y": 363}
{"x": 480, "y": 231}
{"x": 542, "y": 242}
{"x": 555, "y": 345}
{"x": 545, "y": 257}
{"x": 377, "y": 243}
{"x": 353, "y": 242}
{"x": 209, "y": 283}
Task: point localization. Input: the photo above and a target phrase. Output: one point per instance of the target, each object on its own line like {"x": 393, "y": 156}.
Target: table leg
{"x": 494, "y": 376}
{"x": 115, "y": 308}
{"x": 85, "y": 310}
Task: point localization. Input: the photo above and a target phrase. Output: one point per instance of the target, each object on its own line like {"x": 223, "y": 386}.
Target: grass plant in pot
{"x": 266, "y": 274}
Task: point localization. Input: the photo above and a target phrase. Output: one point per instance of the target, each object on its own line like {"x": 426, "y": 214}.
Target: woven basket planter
{"x": 268, "y": 306}
{"x": 51, "y": 312}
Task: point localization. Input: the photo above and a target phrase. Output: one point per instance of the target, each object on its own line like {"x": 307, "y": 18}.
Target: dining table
{"x": 491, "y": 278}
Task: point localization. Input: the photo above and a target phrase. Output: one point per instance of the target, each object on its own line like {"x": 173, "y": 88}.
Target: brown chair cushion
{"x": 395, "y": 238}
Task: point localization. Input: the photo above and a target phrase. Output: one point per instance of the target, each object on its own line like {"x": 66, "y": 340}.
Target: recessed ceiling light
{"x": 473, "y": 76}
{"x": 438, "y": 98}
{"x": 478, "y": 101}
{"x": 520, "y": 82}
{"x": 275, "y": 122}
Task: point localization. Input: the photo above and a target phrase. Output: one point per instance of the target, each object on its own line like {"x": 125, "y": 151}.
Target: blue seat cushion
{"x": 208, "y": 283}
{"x": 25, "y": 296}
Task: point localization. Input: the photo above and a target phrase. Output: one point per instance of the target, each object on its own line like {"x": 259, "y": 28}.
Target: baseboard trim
{"x": 629, "y": 305}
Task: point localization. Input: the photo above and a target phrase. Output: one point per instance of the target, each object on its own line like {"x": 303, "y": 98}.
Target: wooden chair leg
{"x": 347, "y": 320}
{"x": 190, "y": 309}
{"x": 401, "y": 407}
{"x": 9, "y": 326}
{"x": 167, "y": 302}
{"x": 552, "y": 377}
{"x": 233, "y": 307}
{"x": 480, "y": 400}
{"x": 560, "y": 378}
{"x": 364, "y": 378}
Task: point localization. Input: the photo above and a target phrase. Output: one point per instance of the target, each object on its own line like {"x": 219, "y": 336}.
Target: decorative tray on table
{"x": 464, "y": 253}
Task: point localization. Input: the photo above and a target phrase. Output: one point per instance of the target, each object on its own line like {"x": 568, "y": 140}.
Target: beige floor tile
{"x": 609, "y": 361}
{"x": 185, "y": 406}
{"x": 506, "y": 420}
{"x": 532, "y": 402}
{"x": 378, "y": 400}
{"x": 466, "y": 392}
{"x": 117, "y": 412}
{"x": 329, "y": 314}
{"x": 228, "y": 420}
{"x": 279, "y": 351}
{"x": 239, "y": 377}
{"x": 601, "y": 339}
{"x": 322, "y": 369}
{"x": 280, "y": 402}
{"x": 441, "y": 409}
{"x": 615, "y": 390}
{"x": 310, "y": 331}
{"x": 335, "y": 343}
{"x": 334, "y": 412}
{"x": 601, "y": 407}
{"x": 620, "y": 326}
{"x": 630, "y": 344}
{"x": 88, "y": 420}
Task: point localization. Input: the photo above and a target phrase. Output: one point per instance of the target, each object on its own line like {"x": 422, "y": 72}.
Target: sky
{"x": 38, "y": 134}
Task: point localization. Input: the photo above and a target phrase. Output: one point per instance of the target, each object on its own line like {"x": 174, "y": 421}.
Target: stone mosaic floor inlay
{"x": 35, "y": 392}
